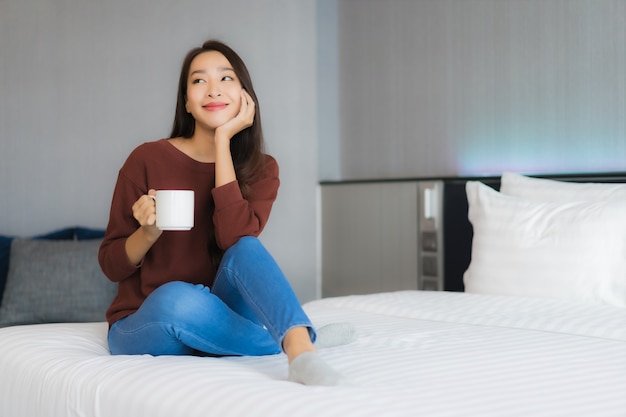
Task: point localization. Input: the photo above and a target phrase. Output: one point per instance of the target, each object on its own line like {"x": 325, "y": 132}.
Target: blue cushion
{"x": 84, "y": 233}
{"x": 61, "y": 234}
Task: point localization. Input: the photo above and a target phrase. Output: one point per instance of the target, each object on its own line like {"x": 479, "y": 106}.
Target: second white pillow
{"x": 574, "y": 251}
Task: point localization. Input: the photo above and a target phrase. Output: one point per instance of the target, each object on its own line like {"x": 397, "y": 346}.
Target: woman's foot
{"x": 310, "y": 369}
{"x": 305, "y": 365}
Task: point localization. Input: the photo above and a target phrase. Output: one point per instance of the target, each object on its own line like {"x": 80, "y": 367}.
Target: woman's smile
{"x": 215, "y": 106}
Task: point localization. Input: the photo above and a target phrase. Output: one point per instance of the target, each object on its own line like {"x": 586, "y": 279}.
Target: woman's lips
{"x": 214, "y": 106}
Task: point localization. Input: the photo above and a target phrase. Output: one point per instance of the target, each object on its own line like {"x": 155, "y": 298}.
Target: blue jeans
{"x": 247, "y": 312}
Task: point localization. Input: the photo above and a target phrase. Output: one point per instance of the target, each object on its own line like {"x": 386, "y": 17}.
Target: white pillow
{"x": 573, "y": 250}
{"x": 541, "y": 189}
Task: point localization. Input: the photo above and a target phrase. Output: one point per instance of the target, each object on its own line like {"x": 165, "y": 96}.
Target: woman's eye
{"x": 197, "y": 81}
{"x": 228, "y": 78}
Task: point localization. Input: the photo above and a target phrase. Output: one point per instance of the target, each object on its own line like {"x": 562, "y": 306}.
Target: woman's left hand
{"x": 224, "y": 167}
{"x": 243, "y": 120}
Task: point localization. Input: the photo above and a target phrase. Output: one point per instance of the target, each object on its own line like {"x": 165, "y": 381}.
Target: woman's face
{"x": 213, "y": 90}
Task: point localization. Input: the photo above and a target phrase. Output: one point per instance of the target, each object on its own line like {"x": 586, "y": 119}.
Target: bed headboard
{"x": 457, "y": 230}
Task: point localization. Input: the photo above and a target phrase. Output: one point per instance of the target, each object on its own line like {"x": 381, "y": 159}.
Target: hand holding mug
{"x": 144, "y": 209}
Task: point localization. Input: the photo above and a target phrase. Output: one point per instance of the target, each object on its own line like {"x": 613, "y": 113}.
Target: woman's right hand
{"x": 144, "y": 211}
{"x": 140, "y": 242}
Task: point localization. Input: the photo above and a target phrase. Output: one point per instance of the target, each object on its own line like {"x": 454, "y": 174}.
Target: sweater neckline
{"x": 183, "y": 157}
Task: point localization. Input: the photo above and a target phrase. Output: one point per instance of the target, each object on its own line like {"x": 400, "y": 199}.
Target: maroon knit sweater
{"x": 177, "y": 255}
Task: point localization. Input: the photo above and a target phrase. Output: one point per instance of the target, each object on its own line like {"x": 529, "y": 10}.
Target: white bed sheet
{"x": 418, "y": 354}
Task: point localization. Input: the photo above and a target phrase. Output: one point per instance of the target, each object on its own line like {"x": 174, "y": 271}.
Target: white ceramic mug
{"x": 174, "y": 209}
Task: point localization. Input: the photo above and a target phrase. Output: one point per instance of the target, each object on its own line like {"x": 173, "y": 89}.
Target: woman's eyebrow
{"x": 203, "y": 71}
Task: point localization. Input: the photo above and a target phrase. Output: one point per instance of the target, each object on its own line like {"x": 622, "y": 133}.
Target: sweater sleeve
{"x": 112, "y": 254}
{"x": 235, "y": 216}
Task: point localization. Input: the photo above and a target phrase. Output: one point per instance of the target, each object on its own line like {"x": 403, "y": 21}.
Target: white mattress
{"x": 418, "y": 354}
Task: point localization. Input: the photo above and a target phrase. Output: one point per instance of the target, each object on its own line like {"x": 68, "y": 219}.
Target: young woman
{"x": 214, "y": 289}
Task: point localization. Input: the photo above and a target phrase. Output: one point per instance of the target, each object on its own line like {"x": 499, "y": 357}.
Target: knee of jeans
{"x": 244, "y": 245}
{"x": 173, "y": 288}
{"x": 178, "y": 298}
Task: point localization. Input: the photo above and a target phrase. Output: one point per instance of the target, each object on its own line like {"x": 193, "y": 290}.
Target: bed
{"x": 525, "y": 339}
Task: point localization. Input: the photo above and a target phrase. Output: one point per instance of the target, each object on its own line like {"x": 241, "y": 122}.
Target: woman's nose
{"x": 213, "y": 90}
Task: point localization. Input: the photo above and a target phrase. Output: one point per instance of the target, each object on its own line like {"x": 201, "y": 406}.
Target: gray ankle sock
{"x": 309, "y": 369}
{"x": 335, "y": 334}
